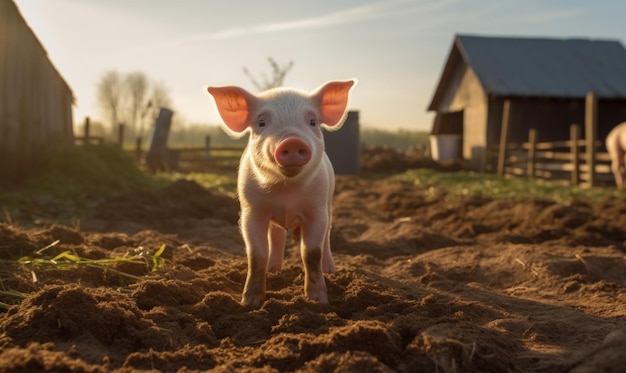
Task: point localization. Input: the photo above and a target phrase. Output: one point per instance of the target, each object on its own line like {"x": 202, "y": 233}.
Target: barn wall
{"x": 465, "y": 93}
{"x": 550, "y": 117}
{"x": 474, "y": 135}
{"x": 471, "y": 99}
{"x": 35, "y": 101}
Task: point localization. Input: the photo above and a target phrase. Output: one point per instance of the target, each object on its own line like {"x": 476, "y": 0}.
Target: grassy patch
{"x": 219, "y": 183}
{"x": 97, "y": 170}
{"x": 66, "y": 182}
{"x": 470, "y": 183}
{"x": 68, "y": 260}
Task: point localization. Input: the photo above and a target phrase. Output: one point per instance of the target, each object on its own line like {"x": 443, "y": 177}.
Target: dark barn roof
{"x": 539, "y": 67}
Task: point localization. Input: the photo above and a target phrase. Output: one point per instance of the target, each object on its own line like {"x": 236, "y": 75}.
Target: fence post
{"x": 574, "y": 136}
{"x": 157, "y": 156}
{"x": 532, "y": 151}
{"x": 138, "y": 150}
{"x": 87, "y": 130}
{"x": 207, "y": 145}
{"x": 120, "y": 134}
{"x": 591, "y": 127}
{"x": 504, "y": 132}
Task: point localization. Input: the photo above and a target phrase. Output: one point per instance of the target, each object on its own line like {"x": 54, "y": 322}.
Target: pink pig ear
{"x": 233, "y": 104}
{"x": 333, "y": 98}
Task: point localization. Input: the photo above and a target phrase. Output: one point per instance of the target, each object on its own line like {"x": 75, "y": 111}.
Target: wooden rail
{"x": 198, "y": 158}
{"x": 86, "y": 138}
{"x": 576, "y": 159}
{"x": 560, "y": 160}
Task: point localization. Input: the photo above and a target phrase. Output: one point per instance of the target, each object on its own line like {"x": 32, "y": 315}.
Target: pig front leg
{"x": 313, "y": 237}
{"x": 618, "y": 168}
{"x": 255, "y": 235}
{"x": 618, "y": 172}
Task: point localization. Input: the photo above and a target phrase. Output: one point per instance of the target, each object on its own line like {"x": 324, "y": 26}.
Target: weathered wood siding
{"x": 465, "y": 93}
{"x": 475, "y": 129}
{"x": 35, "y": 101}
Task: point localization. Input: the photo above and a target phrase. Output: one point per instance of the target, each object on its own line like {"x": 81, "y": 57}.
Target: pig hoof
{"x": 328, "y": 268}
{"x": 321, "y": 297}
{"x": 328, "y": 264}
{"x": 252, "y": 301}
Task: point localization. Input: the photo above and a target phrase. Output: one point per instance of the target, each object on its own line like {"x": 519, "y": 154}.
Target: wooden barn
{"x": 35, "y": 101}
{"x": 545, "y": 80}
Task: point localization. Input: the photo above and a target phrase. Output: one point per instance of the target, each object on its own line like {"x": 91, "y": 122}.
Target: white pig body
{"x": 616, "y": 146}
{"x": 286, "y": 180}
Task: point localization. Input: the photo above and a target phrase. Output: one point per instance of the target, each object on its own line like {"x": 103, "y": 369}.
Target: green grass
{"x": 219, "y": 183}
{"x": 97, "y": 170}
{"x": 69, "y": 260}
{"x": 458, "y": 184}
{"x": 66, "y": 182}
{"x": 12, "y": 296}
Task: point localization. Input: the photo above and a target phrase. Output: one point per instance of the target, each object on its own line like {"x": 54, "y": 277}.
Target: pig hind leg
{"x": 328, "y": 264}
{"x": 277, "y": 236}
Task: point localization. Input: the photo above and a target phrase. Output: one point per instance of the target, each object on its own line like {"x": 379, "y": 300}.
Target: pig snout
{"x": 291, "y": 155}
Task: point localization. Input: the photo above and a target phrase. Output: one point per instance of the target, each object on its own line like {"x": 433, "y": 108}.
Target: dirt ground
{"x": 423, "y": 284}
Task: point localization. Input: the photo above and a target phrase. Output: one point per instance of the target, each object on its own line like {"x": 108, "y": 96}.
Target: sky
{"x": 395, "y": 48}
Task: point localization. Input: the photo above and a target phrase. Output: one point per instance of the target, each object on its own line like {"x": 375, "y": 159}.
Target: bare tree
{"x": 131, "y": 99}
{"x": 109, "y": 94}
{"x": 277, "y": 79}
{"x": 136, "y": 85}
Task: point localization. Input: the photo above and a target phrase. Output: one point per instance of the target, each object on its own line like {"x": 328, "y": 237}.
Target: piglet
{"x": 286, "y": 180}
{"x": 616, "y": 146}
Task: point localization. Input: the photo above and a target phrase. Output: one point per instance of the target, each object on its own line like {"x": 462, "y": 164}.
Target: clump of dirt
{"x": 424, "y": 283}
{"x": 183, "y": 199}
{"x": 384, "y": 159}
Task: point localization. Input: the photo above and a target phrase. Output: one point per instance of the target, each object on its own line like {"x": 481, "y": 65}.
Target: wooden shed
{"x": 35, "y": 101}
{"x": 545, "y": 80}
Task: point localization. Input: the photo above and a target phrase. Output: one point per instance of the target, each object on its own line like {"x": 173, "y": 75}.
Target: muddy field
{"x": 424, "y": 284}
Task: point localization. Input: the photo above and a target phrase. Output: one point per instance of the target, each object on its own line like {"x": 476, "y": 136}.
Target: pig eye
{"x": 313, "y": 122}
{"x": 261, "y": 123}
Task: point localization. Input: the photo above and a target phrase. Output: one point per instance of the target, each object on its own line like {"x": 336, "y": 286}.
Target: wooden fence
{"x": 185, "y": 159}
{"x": 577, "y": 159}
{"x": 567, "y": 160}
{"x": 208, "y": 158}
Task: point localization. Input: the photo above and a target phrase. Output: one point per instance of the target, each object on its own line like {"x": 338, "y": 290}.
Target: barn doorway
{"x": 446, "y": 138}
